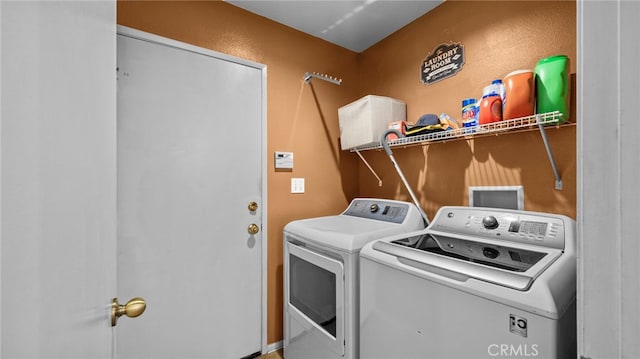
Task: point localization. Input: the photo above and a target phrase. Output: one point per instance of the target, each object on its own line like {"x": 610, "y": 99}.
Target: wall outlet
{"x": 297, "y": 185}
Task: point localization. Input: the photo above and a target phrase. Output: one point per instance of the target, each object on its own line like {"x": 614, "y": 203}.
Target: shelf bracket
{"x": 369, "y": 167}
{"x": 554, "y": 166}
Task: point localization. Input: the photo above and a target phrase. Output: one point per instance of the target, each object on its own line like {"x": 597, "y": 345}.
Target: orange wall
{"x": 300, "y": 118}
{"x": 498, "y": 37}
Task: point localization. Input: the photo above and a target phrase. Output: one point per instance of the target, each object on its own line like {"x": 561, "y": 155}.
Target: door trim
{"x": 145, "y": 36}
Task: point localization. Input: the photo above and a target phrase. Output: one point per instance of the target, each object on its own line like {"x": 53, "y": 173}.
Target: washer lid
{"x": 345, "y": 233}
{"x": 479, "y": 260}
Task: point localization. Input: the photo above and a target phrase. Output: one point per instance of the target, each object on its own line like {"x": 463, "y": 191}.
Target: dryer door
{"x": 314, "y": 290}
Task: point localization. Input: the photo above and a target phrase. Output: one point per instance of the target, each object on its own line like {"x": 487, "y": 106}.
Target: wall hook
{"x": 309, "y": 75}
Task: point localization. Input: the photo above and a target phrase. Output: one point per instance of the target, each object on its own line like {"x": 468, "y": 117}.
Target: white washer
{"x": 321, "y": 274}
{"x": 477, "y": 283}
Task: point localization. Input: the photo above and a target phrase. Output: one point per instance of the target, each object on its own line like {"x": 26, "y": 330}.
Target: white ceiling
{"x": 355, "y": 25}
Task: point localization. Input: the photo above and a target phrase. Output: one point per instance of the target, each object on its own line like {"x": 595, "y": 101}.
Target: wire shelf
{"x": 546, "y": 119}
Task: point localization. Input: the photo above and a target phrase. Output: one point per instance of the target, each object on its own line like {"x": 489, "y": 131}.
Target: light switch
{"x": 297, "y": 185}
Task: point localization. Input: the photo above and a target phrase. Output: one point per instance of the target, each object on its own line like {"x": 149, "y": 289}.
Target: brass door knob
{"x": 253, "y": 206}
{"x": 253, "y": 229}
{"x": 134, "y": 308}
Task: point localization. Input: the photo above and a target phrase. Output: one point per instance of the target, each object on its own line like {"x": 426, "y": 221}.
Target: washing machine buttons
{"x": 374, "y": 208}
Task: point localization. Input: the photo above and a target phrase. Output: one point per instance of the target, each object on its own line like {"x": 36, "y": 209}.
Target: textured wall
{"x": 498, "y": 37}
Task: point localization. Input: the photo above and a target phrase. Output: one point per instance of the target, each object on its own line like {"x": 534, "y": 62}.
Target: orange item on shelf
{"x": 398, "y": 125}
{"x": 520, "y": 98}
{"x": 490, "y": 109}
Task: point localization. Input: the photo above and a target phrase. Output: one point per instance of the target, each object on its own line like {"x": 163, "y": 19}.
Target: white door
{"x": 58, "y": 183}
{"x": 190, "y": 148}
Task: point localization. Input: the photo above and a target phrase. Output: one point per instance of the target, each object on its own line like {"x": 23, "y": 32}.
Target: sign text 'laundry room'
{"x": 445, "y": 61}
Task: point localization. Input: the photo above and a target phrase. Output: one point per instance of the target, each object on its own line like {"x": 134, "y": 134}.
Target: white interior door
{"x": 58, "y": 166}
{"x": 190, "y": 149}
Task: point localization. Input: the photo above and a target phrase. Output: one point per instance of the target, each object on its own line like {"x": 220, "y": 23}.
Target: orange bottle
{"x": 490, "y": 108}
{"x": 520, "y": 97}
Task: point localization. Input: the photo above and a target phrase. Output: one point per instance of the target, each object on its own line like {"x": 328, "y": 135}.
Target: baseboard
{"x": 274, "y": 346}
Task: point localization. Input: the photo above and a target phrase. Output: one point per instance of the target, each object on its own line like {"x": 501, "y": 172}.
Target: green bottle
{"x": 553, "y": 85}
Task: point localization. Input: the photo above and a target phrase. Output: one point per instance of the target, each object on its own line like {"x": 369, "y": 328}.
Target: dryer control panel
{"x": 540, "y": 229}
{"x": 379, "y": 209}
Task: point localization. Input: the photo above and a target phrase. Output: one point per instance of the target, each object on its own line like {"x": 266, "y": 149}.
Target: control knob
{"x": 491, "y": 253}
{"x": 490, "y": 222}
{"x": 374, "y": 208}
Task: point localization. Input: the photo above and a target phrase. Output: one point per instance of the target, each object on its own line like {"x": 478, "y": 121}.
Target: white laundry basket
{"x": 363, "y": 121}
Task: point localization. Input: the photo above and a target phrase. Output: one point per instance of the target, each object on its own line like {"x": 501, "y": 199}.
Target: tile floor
{"x": 273, "y": 355}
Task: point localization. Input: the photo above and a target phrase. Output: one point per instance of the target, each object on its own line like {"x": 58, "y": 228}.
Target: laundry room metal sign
{"x": 445, "y": 61}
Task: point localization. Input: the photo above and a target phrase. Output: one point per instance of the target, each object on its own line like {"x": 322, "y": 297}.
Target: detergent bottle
{"x": 520, "y": 95}
{"x": 498, "y": 87}
{"x": 553, "y": 85}
{"x": 491, "y": 103}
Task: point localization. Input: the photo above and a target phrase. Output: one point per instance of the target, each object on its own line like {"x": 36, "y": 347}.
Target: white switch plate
{"x": 297, "y": 185}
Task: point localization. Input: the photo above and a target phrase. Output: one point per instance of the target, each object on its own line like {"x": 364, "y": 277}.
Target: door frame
{"x": 145, "y": 36}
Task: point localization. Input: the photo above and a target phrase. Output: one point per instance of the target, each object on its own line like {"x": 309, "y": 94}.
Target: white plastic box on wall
{"x": 363, "y": 121}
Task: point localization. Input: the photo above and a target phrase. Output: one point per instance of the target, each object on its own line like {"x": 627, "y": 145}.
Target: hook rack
{"x": 309, "y": 75}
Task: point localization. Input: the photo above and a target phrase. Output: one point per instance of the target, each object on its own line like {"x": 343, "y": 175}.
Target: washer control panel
{"x": 378, "y": 209}
{"x": 517, "y": 226}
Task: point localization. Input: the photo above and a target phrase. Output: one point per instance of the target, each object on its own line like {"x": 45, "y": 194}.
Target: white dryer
{"x": 321, "y": 274}
{"x": 477, "y": 283}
